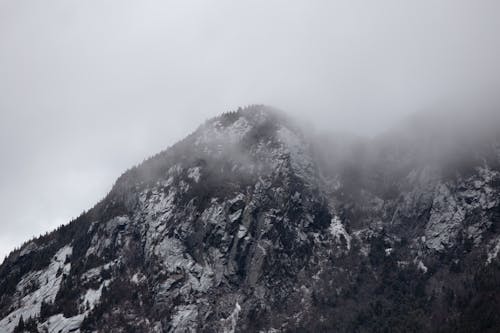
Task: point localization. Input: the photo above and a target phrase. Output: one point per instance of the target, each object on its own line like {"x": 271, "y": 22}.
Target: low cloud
{"x": 88, "y": 89}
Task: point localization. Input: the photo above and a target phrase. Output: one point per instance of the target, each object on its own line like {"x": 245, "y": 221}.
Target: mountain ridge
{"x": 248, "y": 224}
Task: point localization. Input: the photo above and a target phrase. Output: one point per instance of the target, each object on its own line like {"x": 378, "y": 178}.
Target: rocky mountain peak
{"x": 251, "y": 141}
{"x": 248, "y": 226}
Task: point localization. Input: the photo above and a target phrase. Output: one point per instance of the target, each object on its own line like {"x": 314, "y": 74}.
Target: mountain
{"x": 250, "y": 224}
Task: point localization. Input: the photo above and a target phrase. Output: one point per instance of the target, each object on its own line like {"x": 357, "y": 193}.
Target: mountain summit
{"x": 251, "y": 225}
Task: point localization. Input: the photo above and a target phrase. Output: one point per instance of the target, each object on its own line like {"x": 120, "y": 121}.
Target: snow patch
{"x": 237, "y": 198}
{"x": 445, "y": 220}
{"x": 242, "y": 231}
{"x": 173, "y": 253}
{"x": 137, "y": 278}
{"x": 213, "y": 214}
{"x": 92, "y": 297}
{"x": 338, "y": 231}
{"x": 421, "y": 267}
{"x": 184, "y": 320}
{"x": 194, "y": 174}
{"x": 175, "y": 260}
{"x": 61, "y": 324}
{"x": 229, "y": 324}
{"x": 235, "y": 216}
{"x": 94, "y": 272}
{"x": 31, "y": 246}
{"x": 493, "y": 251}
{"x": 48, "y": 282}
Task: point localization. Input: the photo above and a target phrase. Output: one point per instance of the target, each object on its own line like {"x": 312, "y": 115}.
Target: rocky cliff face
{"x": 249, "y": 225}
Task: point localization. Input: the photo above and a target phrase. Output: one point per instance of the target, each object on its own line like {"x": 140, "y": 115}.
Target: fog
{"x": 90, "y": 88}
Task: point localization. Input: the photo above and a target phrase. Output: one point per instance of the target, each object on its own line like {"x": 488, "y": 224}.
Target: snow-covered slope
{"x": 251, "y": 225}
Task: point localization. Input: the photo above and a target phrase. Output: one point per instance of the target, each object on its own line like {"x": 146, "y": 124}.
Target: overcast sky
{"x": 89, "y": 88}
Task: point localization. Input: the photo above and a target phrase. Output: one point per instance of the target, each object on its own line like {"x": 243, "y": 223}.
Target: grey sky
{"x": 90, "y": 88}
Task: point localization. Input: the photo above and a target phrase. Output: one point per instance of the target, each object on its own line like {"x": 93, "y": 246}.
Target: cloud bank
{"x": 89, "y": 88}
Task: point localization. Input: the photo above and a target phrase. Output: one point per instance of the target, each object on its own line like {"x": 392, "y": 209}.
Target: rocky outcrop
{"x": 248, "y": 225}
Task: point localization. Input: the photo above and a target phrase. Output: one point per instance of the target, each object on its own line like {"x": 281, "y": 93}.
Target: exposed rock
{"x": 248, "y": 225}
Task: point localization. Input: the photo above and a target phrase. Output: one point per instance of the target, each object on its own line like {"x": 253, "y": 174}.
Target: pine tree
{"x": 20, "y": 326}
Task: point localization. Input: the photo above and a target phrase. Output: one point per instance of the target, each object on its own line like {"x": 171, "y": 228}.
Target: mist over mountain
{"x": 90, "y": 88}
{"x": 254, "y": 224}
